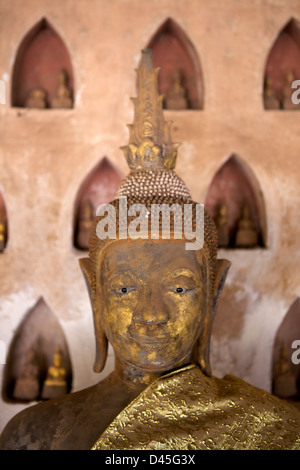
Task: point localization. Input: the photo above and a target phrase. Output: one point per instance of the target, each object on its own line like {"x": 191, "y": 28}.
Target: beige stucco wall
{"x": 44, "y": 157}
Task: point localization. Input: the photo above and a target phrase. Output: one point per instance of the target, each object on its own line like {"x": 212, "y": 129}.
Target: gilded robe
{"x": 185, "y": 410}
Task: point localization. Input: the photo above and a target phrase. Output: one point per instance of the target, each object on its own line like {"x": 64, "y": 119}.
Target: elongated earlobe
{"x": 100, "y": 337}
{"x": 203, "y": 343}
{"x": 101, "y": 351}
{"x": 85, "y": 265}
{"x": 222, "y": 268}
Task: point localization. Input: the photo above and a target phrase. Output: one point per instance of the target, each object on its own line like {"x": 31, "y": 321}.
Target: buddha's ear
{"x": 203, "y": 344}
{"x": 100, "y": 337}
{"x": 222, "y": 268}
{"x": 85, "y": 265}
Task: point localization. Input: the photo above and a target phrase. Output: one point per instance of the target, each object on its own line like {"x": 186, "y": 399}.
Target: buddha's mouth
{"x": 149, "y": 333}
{"x": 150, "y": 339}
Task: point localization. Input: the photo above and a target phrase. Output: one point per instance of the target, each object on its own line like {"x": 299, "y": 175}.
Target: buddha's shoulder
{"x": 252, "y": 397}
{"x": 232, "y": 384}
{"x": 40, "y": 426}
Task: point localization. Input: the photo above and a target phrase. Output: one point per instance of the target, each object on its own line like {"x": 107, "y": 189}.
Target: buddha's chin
{"x": 153, "y": 354}
{"x": 160, "y": 364}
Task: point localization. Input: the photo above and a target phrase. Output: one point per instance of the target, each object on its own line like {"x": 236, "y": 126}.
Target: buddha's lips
{"x": 149, "y": 339}
{"x": 149, "y": 333}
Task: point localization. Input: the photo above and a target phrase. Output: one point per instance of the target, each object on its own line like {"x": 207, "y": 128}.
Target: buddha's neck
{"x": 136, "y": 377}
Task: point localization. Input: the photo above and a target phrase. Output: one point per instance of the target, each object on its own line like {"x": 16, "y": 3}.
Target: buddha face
{"x": 154, "y": 302}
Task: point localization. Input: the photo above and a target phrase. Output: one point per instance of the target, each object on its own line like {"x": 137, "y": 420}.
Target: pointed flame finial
{"x": 150, "y": 144}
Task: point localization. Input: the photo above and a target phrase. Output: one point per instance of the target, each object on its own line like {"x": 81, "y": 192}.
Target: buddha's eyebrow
{"x": 181, "y": 272}
{"x": 114, "y": 274}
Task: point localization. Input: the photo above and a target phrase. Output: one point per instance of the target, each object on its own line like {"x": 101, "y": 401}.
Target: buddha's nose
{"x": 151, "y": 309}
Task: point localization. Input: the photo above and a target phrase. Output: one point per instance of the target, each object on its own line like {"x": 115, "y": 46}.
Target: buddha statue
{"x": 287, "y": 92}
{"x": 222, "y": 226}
{"x": 37, "y": 99}
{"x": 285, "y": 382}
{"x": 246, "y": 235}
{"x": 270, "y": 99}
{"x": 3, "y": 234}
{"x": 84, "y": 224}
{"x": 63, "y": 97}
{"x": 176, "y": 96}
{"x": 154, "y": 293}
{"x": 27, "y": 385}
{"x": 55, "y": 383}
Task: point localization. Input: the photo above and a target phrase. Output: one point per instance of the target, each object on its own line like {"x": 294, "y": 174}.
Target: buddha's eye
{"x": 180, "y": 290}
{"x": 123, "y": 290}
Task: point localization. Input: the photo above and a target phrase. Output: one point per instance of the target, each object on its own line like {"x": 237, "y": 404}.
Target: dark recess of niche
{"x": 234, "y": 184}
{"x": 41, "y": 329}
{"x": 99, "y": 187}
{"x": 173, "y": 51}
{"x": 41, "y": 56}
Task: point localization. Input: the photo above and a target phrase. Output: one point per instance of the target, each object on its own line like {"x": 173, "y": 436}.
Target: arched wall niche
{"x": 99, "y": 187}
{"x": 180, "y": 72}
{"x": 3, "y": 225}
{"x": 282, "y": 68}
{"x": 38, "y": 336}
{"x": 43, "y": 70}
{"x": 234, "y": 196}
{"x": 285, "y": 373}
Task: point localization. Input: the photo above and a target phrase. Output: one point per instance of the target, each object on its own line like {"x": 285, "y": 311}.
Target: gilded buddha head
{"x": 153, "y": 290}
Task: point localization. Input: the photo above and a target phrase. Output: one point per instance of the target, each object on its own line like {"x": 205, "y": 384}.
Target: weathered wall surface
{"x": 45, "y": 156}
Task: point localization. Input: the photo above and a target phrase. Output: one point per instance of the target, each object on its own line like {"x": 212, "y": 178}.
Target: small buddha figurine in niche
{"x": 27, "y": 385}
{"x": 3, "y": 234}
{"x": 55, "y": 383}
{"x": 287, "y": 92}
{"x": 84, "y": 224}
{"x": 246, "y": 235}
{"x": 154, "y": 300}
{"x": 37, "y": 99}
{"x": 176, "y": 96}
{"x": 285, "y": 382}
{"x": 270, "y": 99}
{"x": 221, "y": 221}
{"x": 63, "y": 97}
